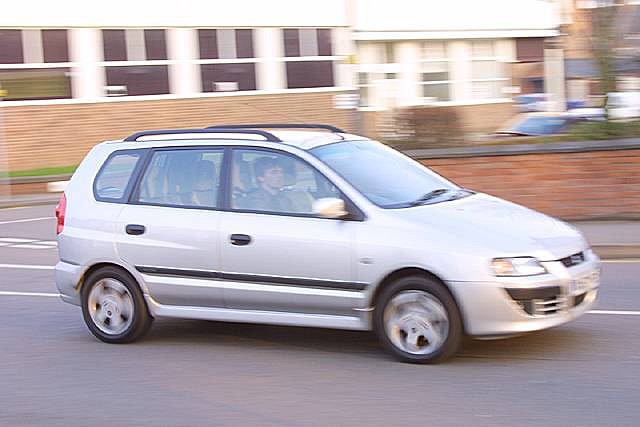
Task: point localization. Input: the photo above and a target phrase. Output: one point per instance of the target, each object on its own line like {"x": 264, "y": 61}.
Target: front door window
{"x": 267, "y": 181}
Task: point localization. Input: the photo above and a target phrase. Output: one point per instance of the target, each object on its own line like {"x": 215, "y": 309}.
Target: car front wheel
{"x": 417, "y": 320}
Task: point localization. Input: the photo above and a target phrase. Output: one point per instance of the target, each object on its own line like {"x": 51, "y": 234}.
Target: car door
{"x": 169, "y": 231}
{"x": 276, "y": 255}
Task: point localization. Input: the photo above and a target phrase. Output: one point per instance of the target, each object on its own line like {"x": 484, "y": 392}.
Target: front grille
{"x": 548, "y": 306}
{"x": 539, "y": 301}
{"x": 572, "y": 260}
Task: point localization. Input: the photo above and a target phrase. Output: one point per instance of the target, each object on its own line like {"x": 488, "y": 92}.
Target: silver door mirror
{"x": 330, "y": 207}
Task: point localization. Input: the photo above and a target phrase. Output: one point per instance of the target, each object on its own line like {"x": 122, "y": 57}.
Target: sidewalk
{"x": 29, "y": 200}
{"x": 610, "y": 239}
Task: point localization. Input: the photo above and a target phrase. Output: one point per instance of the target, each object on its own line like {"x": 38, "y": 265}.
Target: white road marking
{"x": 28, "y": 294}
{"x": 16, "y": 240}
{"x": 621, "y": 261}
{"x": 616, "y": 312}
{"x": 32, "y": 246}
{"x": 28, "y": 266}
{"x": 27, "y": 220}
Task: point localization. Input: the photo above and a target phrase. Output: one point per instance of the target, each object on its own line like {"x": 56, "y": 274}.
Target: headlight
{"x": 524, "y": 266}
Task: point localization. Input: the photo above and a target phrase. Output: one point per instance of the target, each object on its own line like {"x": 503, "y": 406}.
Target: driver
{"x": 269, "y": 196}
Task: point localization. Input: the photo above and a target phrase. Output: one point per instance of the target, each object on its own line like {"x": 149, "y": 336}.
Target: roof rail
{"x": 280, "y": 126}
{"x": 266, "y": 135}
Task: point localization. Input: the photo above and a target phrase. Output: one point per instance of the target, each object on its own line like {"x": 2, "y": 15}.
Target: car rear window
{"x": 112, "y": 180}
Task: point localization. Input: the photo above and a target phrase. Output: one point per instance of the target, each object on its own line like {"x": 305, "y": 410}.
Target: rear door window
{"x": 115, "y": 176}
{"x": 182, "y": 178}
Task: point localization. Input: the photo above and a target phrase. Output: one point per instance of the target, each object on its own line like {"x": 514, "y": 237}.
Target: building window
{"x": 135, "y": 62}
{"x": 309, "y": 60}
{"x": 11, "y": 47}
{"x": 34, "y": 64}
{"x": 434, "y": 79}
{"x": 228, "y": 77}
{"x": 155, "y": 44}
{"x": 55, "y": 46}
{"x": 530, "y": 49}
{"x": 307, "y": 42}
{"x": 115, "y": 45}
{"x": 487, "y": 71}
{"x": 138, "y": 80}
{"x": 366, "y": 85}
{"x": 306, "y": 74}
{"x": 227, "y": 60}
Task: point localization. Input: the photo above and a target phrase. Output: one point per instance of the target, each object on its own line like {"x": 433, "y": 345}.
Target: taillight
{"x": 61, "y": 210}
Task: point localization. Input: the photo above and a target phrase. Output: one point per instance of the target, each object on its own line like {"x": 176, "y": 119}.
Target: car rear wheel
{"x": 113, "y": 306}
{"x": 417, "y": 320}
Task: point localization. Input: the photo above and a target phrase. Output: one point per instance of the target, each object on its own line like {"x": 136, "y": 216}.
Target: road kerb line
{"x": 621, "y": 261}
{"x": 28, "y": 294}
{"x": 616, "y": 312}
{"x": 27, "y": 220}
{"x": 28, "y": 266}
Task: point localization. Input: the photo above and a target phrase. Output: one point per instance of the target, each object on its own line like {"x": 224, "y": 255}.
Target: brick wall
{"x": 587, "y": 185}
{"x": 39, "y": 136}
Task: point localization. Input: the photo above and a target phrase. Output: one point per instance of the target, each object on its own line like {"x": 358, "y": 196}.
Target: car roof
{"x": 303, "y": 139}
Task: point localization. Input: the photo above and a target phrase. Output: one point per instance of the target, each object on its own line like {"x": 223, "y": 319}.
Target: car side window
{"x": 183, "y": 178}
{"x": 112, "y": 180}
{"x": 267, "y": 181}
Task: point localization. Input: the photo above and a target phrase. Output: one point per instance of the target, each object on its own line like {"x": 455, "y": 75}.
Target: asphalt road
{"x": 53, "y": 372}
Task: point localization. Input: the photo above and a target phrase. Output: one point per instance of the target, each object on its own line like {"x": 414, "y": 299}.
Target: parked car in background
{"x": 545, "y": 124}
{"x": 308, "y": 228}
{"x": 536, "y": 124}
{"x": 623, "y": 105}
{"x": 540, "y": 102}
{"x": 532, "y": 102}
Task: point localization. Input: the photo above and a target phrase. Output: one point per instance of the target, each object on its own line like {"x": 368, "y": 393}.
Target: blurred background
{"x": 418, "y": 75}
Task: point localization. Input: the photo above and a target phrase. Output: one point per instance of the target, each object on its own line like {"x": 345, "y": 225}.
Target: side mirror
{"x": 330, "y": 207}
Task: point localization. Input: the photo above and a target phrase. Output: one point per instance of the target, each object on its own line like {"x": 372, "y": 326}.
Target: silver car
{"x": 308, "y": 226}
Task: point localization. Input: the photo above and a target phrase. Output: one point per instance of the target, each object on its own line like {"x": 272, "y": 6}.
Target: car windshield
{"x": 386, "y": 177}
{"x": 538, "y": 126}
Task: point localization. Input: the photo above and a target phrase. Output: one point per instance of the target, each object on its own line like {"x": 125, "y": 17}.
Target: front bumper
{"x": 513, "y": 305}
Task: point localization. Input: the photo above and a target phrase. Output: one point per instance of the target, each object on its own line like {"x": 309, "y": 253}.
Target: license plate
{"x": 585, "y": 283}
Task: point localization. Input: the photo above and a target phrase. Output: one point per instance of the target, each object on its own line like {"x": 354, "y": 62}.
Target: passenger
{"x": 268, "y": 196}
{"x": 204, "y": 192}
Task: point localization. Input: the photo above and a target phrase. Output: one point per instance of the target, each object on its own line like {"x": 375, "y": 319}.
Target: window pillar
{"x": 270, "y": 70}
{"x": 85, "y": 52}
{"x": 184, "y": 73}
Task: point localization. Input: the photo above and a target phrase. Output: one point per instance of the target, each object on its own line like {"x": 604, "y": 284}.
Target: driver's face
{"x": 274, "y": 177}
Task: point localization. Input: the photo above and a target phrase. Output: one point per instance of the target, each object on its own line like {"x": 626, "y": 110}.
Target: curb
{"x": 16, "y": 202}
{"x": 622, "y": 251}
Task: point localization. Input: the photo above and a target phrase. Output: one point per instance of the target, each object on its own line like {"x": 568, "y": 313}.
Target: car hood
{"x": 504, "y": 228}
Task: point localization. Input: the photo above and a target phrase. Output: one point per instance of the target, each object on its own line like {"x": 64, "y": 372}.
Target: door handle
{"x": 135, "y": 229}
{"x": 240, "y": 239}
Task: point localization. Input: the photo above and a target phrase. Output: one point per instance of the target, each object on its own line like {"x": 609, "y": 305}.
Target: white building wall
{"x": 184, "y": 74}
{"x": 460, "y": 70}
{"x": 85, "y": 52}
{"x": 186, "y": 13}
{"x": 407, "y": 56}
{"x": 270, "y": 71}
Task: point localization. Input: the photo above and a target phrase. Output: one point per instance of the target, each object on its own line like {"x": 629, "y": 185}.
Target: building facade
{"x": 75, "y": 73}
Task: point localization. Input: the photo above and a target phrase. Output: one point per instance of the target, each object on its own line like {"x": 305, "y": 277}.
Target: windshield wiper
{"x": 430, "y": 195}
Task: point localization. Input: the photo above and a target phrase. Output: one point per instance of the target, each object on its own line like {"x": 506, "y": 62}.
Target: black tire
{"x": 438, "y": 292}
{"x": 141, "y": 320}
